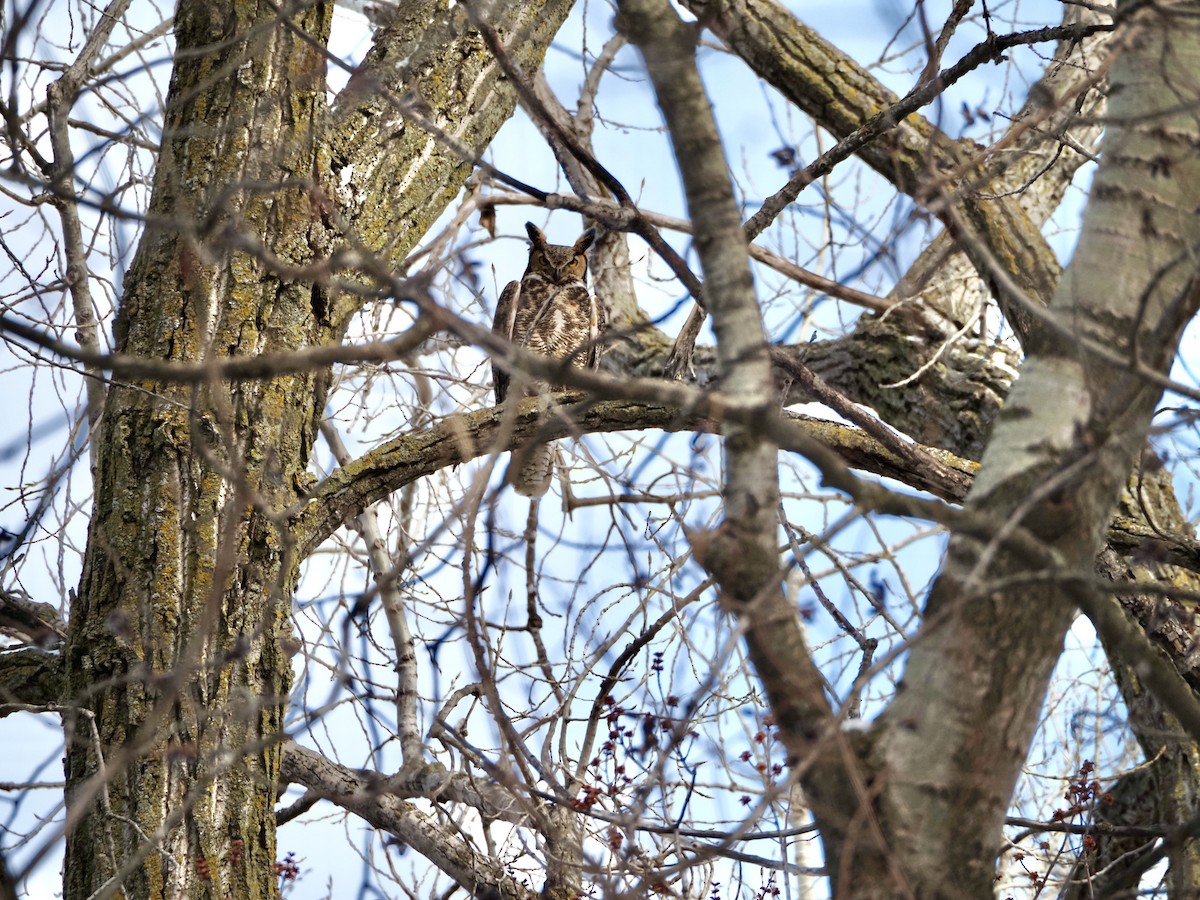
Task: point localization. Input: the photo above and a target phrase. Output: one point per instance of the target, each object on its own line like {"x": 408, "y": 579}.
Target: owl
{"x": 550, "y": 311}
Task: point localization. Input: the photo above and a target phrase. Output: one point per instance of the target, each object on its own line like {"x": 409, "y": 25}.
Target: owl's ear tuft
{"x": 585, "y": 241}
{"x": 535, "y": 235}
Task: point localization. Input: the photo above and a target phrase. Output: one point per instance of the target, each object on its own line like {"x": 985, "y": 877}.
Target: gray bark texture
{"x": 1060, "y": 454}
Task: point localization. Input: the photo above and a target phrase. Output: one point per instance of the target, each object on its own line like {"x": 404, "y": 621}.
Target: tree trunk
{"x": 179, "y": 636}
{"x": 177, "y": 646}
{"x": 1072, "y": 430}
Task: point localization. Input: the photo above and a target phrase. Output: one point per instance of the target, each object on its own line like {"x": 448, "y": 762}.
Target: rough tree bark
{"x": 178, "y": 644}
{"x": 176, "y": 647}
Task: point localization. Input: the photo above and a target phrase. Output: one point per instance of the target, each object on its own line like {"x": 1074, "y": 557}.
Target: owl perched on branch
{"x": 550, "y": 311}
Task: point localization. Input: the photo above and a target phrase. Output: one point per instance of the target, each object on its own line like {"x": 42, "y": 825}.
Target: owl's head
{"x": 558, "y": 263}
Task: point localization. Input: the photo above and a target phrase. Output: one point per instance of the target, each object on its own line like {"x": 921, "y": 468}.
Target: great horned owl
{"x": 551, "y": 312}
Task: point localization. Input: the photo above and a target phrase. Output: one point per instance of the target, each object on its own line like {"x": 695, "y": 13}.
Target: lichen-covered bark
{"x": 177, "y": 651}
{"x": 1167, "y": 789}
{"x": 29, "y": 677}
{"x": 177, "y": 635}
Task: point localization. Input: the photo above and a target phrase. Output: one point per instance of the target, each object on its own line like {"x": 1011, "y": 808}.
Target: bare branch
{"x": 377, "y": 802}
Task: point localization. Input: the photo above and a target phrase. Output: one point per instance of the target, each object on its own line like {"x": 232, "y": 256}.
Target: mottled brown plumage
{"x": 550, "y": 311}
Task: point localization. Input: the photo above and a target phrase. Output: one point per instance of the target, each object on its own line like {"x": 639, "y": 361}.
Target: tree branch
{"x": 380, "y": 802}
{"x": 29, "y": 678}
{"x": 842, "y": 96}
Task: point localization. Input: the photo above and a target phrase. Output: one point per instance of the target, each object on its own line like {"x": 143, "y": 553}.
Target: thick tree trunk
{"x": 179, "y": 637}
{"x": 177, "y": 643}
